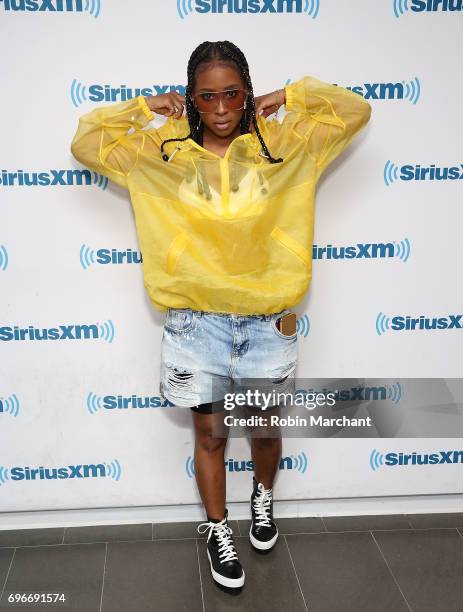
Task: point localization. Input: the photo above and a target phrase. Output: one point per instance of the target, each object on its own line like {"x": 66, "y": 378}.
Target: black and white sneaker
{"x": 263, "y": 532}
{"x": 223, "y": 558}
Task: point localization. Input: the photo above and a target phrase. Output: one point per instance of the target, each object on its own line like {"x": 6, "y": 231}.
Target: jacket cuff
{"x": 295, "y": 96}
{"x": 145, "y": 108}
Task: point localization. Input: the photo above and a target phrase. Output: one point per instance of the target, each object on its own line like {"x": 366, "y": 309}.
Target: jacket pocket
{"x": 174, "y": 251}
{"x": 291, "y": 244}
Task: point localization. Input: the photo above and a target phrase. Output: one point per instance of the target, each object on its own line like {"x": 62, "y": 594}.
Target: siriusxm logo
{"x": 408, "y": 323}
{"x": 112, "y": 469}
{"x": 95, "y": 402}
{"x": 308, "y": 7}
{"x": 93, "y": 331}
{"x": 52, "y": 178}
{"x": 106, "y": 93}
{"x": 88, "y": 257}
{"x": 420, "y": 6}
{"x": 303, "y": 326}
{"x": 378, "y": 460}
{"x": 92, "y": 7}
{"x": 292, "y": 462}
{"x": 410, "y": 172}
{"x": 9, "y": 405}
{"x": 392, "y": 393}
{"x": 375, "y": 250}
{"x": 386, "y": 91}
{"x": 3, "y": 258}
{"x": 390, "y": 91}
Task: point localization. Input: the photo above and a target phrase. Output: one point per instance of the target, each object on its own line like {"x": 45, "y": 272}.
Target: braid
{"x": 232, "y": 51}
{"x": 222, "y": 50}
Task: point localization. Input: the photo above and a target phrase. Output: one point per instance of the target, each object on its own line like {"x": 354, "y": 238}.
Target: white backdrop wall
{"x": 58, "y": 398}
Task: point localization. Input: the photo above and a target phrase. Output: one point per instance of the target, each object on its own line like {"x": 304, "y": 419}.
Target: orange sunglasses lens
{"x": 208, "y": 101}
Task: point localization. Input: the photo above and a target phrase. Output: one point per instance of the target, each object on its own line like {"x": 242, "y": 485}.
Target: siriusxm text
{"x": 431, "y": 173}
{"x": 407, "y": 323}
{"x": 61, "y": 332}
{"x": 358, "y": 251}
{"x": 49, "y": 178}
{"x": 455, "y": 456}
{"x": 91, "y": 470}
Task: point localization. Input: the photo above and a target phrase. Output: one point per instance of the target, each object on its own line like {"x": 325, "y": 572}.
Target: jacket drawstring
{"x": 172, "y": 154}
{"x": 263, "y": 189}
{"x": 203, "y": 185}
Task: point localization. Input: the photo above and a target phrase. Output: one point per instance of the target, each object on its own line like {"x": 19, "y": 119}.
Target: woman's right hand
{"x": 170, "y": 104}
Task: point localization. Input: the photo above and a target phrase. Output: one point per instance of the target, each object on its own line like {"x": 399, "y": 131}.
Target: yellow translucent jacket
{"x": 226, "y": 234}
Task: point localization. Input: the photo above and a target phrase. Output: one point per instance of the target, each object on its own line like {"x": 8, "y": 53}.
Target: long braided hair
{"x": 220, "y": 50}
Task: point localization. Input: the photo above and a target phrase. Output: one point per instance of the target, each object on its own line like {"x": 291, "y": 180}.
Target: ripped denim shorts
{"x": 205, "y": 355}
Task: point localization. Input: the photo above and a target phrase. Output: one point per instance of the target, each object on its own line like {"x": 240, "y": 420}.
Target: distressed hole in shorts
{"x": 180, "y": 377}
{"x": 280, "y": 377}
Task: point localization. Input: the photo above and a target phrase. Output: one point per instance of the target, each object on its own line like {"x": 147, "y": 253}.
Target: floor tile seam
{"x": 295, "y": 573}
{"x": 104, "y": 574}
{"x": 295, "y": 533}
{"x": 393, "y": 529}
{"x": 408, "y": 521}
{"x": 8, "y": 573}
{"x": 391, "y": 572}
{"x": 200, "y": 576}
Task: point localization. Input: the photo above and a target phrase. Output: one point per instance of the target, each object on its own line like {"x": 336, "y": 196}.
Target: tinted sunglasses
{"x": 208, "y": 101}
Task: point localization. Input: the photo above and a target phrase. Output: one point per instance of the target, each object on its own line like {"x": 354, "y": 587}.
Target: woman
{"x": 223, "y": 203}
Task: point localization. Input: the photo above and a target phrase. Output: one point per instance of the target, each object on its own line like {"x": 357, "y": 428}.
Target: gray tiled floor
{"x": 398, "y": 563}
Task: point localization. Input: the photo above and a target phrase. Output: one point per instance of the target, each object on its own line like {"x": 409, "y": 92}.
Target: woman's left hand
{"x": 269, "y": 103}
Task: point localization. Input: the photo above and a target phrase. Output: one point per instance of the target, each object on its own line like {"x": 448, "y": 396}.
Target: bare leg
{"x": 209, "y": 465}
{"x": 266, "y": 453}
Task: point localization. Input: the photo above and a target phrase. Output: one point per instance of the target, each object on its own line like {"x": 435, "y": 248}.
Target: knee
{"x": 206, "y": 442}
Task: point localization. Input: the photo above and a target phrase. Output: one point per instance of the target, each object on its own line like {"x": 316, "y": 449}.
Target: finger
{"x": 272, "y": 109}
{"x": 178, "y": 100}
{"x": 173, "y": 107}
{"x": 178, "y": 108}
{"x": 178, "y": 103}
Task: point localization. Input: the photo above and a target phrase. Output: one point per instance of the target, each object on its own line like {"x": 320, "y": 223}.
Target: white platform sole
{"x": 263, "y": 545}
{"x": 223, "y": 580}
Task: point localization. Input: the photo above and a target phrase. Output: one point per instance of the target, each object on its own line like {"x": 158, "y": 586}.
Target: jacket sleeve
{"x": 102, "y": 141}
{"x": 327, "y": 116}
